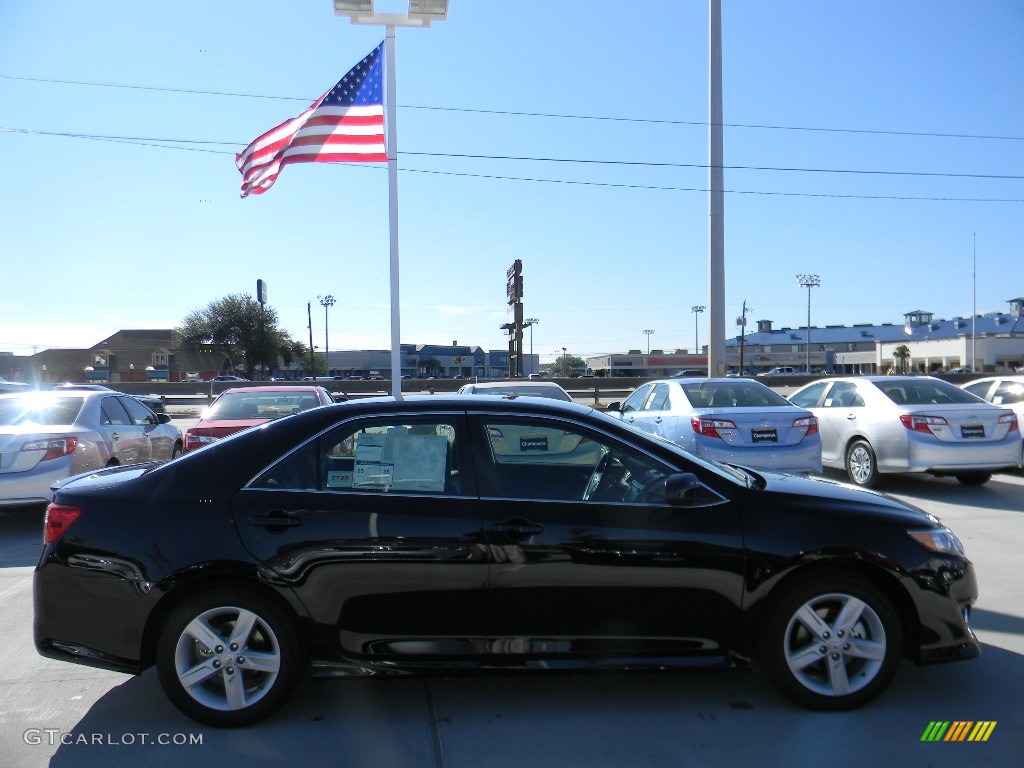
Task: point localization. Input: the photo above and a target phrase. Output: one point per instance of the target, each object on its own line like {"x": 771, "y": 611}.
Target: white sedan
{"x": 873, "y": 425}
{"x": 731, "y": 421}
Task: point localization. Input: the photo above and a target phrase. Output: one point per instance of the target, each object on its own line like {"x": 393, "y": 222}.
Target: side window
{"x": 635, "y": 402}
{"x": 844, "y": 395}
{"x": 980, "y": 389}
{"x": 140, "y": 414}
{"x": 113, "y": 413}
{"x": 659, "y": 398}
{"x": 1008, "y": 393}
{"x": 411, "y": 455}
{"x": 809, "y": 397}
{"x": 531, "y": 459}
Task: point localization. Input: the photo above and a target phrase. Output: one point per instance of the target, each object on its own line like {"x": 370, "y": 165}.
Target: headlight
{"x": 940, "y": 540}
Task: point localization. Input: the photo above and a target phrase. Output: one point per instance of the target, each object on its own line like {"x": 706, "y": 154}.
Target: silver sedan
{"x": 732, "y": 421}
{"x": 50, "y": 436}
{"x": 872, "y": 425}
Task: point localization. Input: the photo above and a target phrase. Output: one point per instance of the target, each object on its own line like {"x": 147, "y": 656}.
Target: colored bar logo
{"x": 958, "y": 730}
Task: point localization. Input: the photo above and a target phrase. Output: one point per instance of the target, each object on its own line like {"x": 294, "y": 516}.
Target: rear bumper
{"x": 926, "y": 454}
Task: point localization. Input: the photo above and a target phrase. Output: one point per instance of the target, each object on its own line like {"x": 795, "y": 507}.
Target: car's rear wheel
{"x": 861, "y": 465}
{"x": 974, "y": 478}
{"x": 831, "y": 642}
{"x": 229, "y": 657}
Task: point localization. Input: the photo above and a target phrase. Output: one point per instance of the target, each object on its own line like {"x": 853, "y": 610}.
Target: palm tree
{"x": 902, "y": 353}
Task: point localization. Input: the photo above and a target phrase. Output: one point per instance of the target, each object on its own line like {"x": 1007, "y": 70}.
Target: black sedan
{"x": 397, "y": 536}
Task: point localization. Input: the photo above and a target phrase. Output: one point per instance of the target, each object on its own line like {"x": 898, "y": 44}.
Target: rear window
{"x": 551, "y": 391}
{"x": 48, "y": 412}
{"x": 924, "y": 392}
{"x": 739, "y": 394}
{"x": 238, "y": 406}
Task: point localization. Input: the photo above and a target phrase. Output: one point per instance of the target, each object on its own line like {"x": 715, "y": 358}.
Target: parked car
{"x": 382, "y": 537}
{"x": 517, "y": 388}
{"x": 781, "y": 370}
{"x": 1004, "y": 391}
{"x": 12, "y": 386}
{"x": 153, "y": 402}
{"x": 228, "y": 378}
{"x": 49, "y": 436}
{"x": 690, "y": 373}
{"x": 732, "y": 421}
{"x": 876, "y": 425}
{"x": 242, "y": 407}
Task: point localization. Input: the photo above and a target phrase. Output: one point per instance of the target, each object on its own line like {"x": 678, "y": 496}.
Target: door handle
{"x": 851, "y": 416}
{"x": 658, "y": 420}
{"x": 518, "y": 528}
{"x": 276, "y": 519}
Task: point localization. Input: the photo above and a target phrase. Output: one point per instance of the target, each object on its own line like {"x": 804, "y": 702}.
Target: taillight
{"x": 922, "y": 423}
{"x": 710, "y": 426}
{"x": 58, "y": 519}
{"x": 197, "y": 441}
{"x": 1011, "y": 419}
{"x": 55, "y": 447}
{"x": 810, "y": 422}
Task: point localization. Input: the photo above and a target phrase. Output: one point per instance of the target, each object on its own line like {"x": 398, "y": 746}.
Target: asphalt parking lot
{"x": 57, "y": 714}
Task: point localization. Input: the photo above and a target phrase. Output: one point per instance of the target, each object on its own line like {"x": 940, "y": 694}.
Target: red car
{"x": 243, "y": 407}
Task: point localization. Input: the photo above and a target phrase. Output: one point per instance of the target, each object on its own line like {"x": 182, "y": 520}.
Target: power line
{"x": 512, "y": 113}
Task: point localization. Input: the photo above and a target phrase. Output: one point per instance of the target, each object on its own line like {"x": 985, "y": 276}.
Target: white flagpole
{"x": 396, "y": 333}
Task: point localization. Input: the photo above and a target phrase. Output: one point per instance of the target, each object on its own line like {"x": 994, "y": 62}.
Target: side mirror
{"x": 616, "y": 406}
{"x": 163, "y": 418}
{"x": 684, "y": 489}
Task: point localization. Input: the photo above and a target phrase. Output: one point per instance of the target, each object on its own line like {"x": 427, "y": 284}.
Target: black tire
{"x": 974, "y": 478}
{"x": 234, "y": 685}
{"x": 176, "y": 452}
{"x": 862, "y": 466}
{"x": 849, "y": 656}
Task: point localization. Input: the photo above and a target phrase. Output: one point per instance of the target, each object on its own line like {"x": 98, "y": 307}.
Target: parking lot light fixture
{"x": 647, "y": 333}
{"x": 697, "y": 309}
{"x": 808, "y": 282}
{"x": 327, "y": 302}
{"x": 529, "y": 323}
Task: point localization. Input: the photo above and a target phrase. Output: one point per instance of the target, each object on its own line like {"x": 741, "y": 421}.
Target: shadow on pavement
{"x": 21, "y": 536}
{"x": 711, "y": 718}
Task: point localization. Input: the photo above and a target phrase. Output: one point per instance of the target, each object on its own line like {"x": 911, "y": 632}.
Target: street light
{"x": 697, "y": 309}
{"x": 529, "y": 323}
{"x": 421, "y": 14}
{"x": 647, "y": 333}
{"x": 808, "y": 282}
{"x": 327, "y": 302}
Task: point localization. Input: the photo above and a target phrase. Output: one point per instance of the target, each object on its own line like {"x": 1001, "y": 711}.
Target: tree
{"x": 568, "y": 366}
{"x": 902, "y": 353}
{"x": 240, "y": 329}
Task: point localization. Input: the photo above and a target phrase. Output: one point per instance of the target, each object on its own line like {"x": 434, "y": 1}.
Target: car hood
{"x": 225, "y": 426}
{"x": 825, "y": 495}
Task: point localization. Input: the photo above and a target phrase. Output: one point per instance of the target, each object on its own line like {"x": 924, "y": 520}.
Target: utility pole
{"x": 312, "y": 358}
{"x": 741, "y": 321}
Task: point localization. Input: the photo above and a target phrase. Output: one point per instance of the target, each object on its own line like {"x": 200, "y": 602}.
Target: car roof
{"x": 517, "y": 383}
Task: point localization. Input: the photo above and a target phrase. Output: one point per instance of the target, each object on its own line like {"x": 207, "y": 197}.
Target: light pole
{"x": 808, "y": 282}
{"x": 421, "y": 13}
{"x": 327, "y": 302}
{"x": 647, "y": 333}
{"x": 697, "y": 309}
{"x": 529, "y": 323}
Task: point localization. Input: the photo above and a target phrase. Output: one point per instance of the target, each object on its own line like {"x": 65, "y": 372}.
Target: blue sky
{"x": 101, "y": 235}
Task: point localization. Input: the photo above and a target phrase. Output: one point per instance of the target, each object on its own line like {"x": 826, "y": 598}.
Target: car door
{"x": 588, "y": 559}
{"x": 376, "y": 526}
{"x": 653, "y": 414}
{"x": 841, "y": 416}
{"x": 157, "y": 443}
{"x": 124, "y": 440}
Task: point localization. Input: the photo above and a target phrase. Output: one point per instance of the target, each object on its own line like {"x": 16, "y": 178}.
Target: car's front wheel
{"x": 831, "y": 642}
{"x": 229, "y": 657}
{"x": 862, "y": 466}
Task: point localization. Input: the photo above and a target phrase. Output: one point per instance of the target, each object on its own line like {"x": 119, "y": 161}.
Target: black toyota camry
{"x": 396, "y": 536}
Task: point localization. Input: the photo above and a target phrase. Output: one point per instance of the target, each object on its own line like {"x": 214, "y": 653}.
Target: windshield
{"x": 241, "y": 406}
{"x": 44, "y": 411}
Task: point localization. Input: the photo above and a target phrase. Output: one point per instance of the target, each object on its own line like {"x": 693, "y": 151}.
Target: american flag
{"x": 344, "y": 125}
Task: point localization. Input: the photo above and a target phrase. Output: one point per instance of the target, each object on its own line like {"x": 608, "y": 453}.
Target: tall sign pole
{"x": 514, "y": 291}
